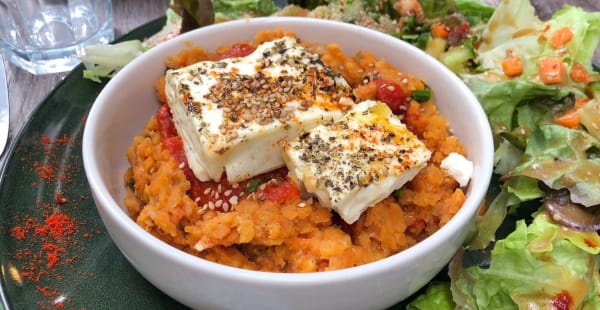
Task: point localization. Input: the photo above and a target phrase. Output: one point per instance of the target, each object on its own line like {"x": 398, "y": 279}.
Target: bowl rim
{"x": 111, "y": 208}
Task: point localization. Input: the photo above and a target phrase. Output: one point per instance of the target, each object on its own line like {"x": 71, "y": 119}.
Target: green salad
{"x": 536, "y": 243}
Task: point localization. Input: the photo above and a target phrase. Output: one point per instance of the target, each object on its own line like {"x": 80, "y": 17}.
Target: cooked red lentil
{"x": 262, "y": 223}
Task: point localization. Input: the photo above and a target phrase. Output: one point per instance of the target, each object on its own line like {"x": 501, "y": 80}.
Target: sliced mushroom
{"x": 559, "y": 206}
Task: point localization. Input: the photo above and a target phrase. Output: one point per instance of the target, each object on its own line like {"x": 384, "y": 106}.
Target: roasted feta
{"x": 235, "y": 115}
{"x": 357, "y": 161}
{"x": 458, "y": 167}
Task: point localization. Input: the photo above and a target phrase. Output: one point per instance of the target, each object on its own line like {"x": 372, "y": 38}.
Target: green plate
{"x": 72, "y": 263}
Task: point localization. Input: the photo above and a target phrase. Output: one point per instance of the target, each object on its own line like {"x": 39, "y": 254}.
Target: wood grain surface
{"x": 129, "y": 14}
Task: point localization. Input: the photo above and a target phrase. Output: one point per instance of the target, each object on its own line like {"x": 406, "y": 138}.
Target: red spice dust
{"x": 45, "y": 172}
{"x": 18, "y": 233}
{"x": 59, "y": 198}
{"x": 50, "y": 238}
{"x": 54, "y": 235}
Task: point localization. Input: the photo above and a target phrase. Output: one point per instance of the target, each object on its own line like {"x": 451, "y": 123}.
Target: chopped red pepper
{"x": 562, "y": 301}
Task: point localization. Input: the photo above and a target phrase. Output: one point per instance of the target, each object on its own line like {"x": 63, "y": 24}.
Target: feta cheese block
{"x": 354, "y": 163}
{"x": 235, "y": 115}
{"x": 458, "y": 167}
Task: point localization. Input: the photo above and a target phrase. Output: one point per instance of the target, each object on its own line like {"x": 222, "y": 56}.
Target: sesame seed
{"x": 302, "y": 205}
{"x": 219, "y": 203}
{"x": 207, "y": 191}
{"x": 225, "y": 207}
{"x": 227, "y": 192}
{"x": 211, "y": 205}
{"x": 233, "y": 200}
{"x": 181, "y": 165}
{"x": 235, "y": 185}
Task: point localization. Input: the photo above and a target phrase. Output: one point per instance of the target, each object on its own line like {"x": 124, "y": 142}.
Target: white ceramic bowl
{"x": 128, "y": 101}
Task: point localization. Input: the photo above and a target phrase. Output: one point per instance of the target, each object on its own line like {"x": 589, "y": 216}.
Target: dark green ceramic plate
{"x": 67, "y": 259}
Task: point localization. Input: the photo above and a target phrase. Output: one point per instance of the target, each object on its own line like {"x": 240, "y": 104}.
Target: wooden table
{"x": 26, "y": 91}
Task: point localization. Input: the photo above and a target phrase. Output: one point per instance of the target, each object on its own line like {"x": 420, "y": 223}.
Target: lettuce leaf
{"x": 533, "y": 267}
{"x": 521, "y": 110}
{"x": 558, "y": 156}
{"x": 501, "y": 99}
{"x": 438, "y": 296}
{"x": 475, "y": 11}
{"x": 586, "y": 33}
{"x": 104, "y": 61}
{"x": 233, "y": 9}
{"x": 514, "y": 27}
{"x": 590, "y": 117}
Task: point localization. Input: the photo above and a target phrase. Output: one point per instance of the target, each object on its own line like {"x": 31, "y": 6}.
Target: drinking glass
{"x": 47, "y": 36}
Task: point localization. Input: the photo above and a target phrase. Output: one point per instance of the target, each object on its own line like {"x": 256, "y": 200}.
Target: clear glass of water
{"x": 47, "y": 36}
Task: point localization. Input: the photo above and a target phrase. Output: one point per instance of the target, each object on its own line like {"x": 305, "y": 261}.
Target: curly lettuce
{"x": 535, "y": 267}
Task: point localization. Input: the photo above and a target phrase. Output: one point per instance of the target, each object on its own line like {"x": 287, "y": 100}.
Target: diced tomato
{"x": 281, "y": 192}
{"x": 393, "y": 95}
{"x": 237, "y": 50}
{"x": 165, "y": 122}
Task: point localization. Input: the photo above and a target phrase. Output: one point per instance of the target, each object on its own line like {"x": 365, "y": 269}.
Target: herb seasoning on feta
{"x": 235, "y": 115}
{"x": 357, "y": 161}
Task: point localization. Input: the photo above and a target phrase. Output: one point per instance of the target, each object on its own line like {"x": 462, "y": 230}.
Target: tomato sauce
{"x": 220, "y": 195}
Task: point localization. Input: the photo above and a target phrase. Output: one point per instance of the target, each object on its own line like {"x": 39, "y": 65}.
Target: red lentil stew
{"x": 263, "y": 223}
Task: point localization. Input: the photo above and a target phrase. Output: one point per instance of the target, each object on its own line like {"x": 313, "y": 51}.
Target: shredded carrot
{"x": 512, "y": 65}
{"x": 571, "y": 119}
{"x": 581, "y": 102}
{"x": 561, "y": 37}
{"x": 547, "y": 28}
{"x": 552, "y": 70}
{"x": 579, "y": 73}
{"x": 440, "y": 31}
